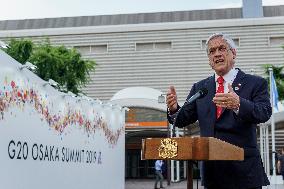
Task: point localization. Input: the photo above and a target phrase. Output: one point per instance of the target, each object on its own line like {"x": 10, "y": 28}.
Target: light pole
{"x": 162, "y": 100}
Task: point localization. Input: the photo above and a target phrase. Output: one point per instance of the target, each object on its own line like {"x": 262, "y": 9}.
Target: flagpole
{"x": 267, "y": 149}
{"x": 272, "y": 125}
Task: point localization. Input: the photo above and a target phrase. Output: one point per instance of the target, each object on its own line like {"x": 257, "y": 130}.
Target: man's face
{"x": 221, "y": 57}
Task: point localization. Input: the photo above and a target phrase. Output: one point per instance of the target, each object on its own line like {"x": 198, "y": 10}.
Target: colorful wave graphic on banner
{"x": 13, "y": 96}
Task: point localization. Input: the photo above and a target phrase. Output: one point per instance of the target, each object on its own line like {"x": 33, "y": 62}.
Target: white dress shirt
{"x": 228, "y": 78}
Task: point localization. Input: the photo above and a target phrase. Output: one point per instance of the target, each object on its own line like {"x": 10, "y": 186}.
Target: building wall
{"x": 140, "y": 18}
{"x": 158, "y": 55}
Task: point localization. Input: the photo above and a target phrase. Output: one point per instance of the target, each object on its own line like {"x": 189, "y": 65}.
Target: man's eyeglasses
{"x": 222, "y": 49}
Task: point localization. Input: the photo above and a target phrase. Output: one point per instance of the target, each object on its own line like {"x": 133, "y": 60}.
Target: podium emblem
{"x": 168, "y": 148}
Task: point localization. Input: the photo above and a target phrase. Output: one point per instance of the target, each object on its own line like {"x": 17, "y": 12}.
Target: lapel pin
{"x": 238, "y": 87}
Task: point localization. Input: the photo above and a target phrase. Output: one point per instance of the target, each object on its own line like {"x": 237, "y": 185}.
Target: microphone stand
{"x": 189, "y": 163}
{"x": 200, "y": 94}
{"x": 174, "y": 131}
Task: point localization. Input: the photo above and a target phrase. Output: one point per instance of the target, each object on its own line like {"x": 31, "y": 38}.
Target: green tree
{"x": 20, "y": 50}
{"x": 279, "y": 78}
{"x": 63, "y": 65}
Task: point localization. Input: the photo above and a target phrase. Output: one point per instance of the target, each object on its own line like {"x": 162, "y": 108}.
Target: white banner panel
{"x": 50, "y": 139}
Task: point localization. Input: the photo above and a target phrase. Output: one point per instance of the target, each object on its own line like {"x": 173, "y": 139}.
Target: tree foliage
{"x": 20, "y": 50}
{"x": 59, "y": 63}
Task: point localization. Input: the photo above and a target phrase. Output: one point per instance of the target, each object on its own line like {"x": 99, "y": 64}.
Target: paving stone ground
{"x": 149, "y": 184}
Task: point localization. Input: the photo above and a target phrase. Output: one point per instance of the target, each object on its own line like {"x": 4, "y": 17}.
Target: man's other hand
{"x": 172, "y": 99}
{"x": 227, "y": 100}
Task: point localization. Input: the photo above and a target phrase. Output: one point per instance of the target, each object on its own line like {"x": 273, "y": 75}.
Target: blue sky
{"x": 23, "y": 9}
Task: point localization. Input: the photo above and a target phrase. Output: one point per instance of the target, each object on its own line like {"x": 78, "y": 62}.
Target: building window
{"x": 99, "y": 49}
{"x": 203, "y": 44}
{"x": 92, "y": 49}
{"x": 144, "y": 46}
{"x": 236, "y": 40}
{"x": 151, "y": 46}
{"x": 83, "y": 49}
{"x": 163, "y": 45}
{"x": 276, "y": 41}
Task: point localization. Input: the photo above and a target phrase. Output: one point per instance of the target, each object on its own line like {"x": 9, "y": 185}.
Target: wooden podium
{"x": 190, "y": 148}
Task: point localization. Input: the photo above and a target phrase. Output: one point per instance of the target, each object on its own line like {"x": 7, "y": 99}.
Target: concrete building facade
{"x": 159, "y": 50}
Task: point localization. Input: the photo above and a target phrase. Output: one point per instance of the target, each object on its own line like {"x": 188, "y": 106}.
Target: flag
{"x": 274, "y": 92}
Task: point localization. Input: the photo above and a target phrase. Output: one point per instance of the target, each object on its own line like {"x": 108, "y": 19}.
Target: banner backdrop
{"x": 50, "y": 139}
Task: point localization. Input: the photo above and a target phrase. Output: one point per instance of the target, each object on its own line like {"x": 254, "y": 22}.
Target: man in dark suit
{"x": 236, "y": 102}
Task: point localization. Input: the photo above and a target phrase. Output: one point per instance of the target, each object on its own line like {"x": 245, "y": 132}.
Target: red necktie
{"x": 220, "y": 89}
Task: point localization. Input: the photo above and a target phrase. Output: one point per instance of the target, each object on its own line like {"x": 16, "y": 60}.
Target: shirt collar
{"x": 228, "y": 77}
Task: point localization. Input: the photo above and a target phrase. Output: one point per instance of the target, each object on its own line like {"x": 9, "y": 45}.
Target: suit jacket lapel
{"x": 211, "y": 86}
{"x": 239, "y": 82}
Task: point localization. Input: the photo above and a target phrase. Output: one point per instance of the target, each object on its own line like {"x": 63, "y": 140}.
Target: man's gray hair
{"x": 230, "y": 42}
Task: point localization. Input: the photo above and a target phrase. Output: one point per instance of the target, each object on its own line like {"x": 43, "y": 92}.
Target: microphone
{"x": 200, "y": 94}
